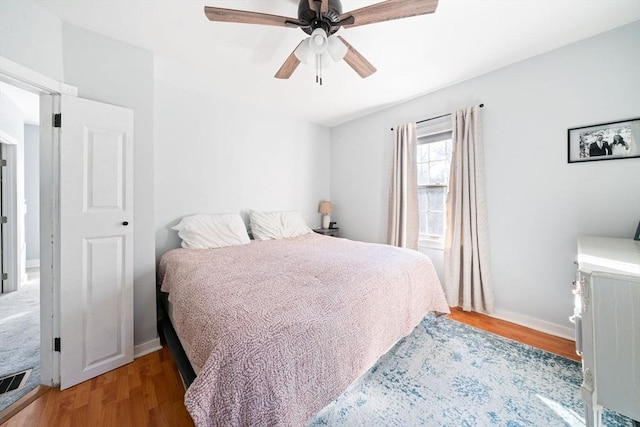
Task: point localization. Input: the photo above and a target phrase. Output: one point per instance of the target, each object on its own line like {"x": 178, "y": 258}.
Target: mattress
{"x": 280, "y": 328}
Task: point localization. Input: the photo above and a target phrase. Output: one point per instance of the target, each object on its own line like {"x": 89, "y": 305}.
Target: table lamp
{"x": 325, "y": 209}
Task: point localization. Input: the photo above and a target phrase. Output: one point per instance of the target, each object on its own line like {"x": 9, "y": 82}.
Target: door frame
{"x": 9, "y": 209}
{"x": 13, "y": 231}
{"x": 49, "y": 91}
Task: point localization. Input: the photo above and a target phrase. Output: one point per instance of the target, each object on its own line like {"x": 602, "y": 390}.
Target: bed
{"x": 276, "y": 329}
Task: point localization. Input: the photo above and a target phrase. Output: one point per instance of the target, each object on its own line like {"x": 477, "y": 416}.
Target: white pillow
{"x": 204, "y": 231}
{"x": 278, "y": 225}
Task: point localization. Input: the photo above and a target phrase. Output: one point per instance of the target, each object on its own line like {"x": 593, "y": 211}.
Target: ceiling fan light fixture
{"x": 320, "y": 50}
{"x": 336, "y": 49}
{"x": 326, "y": 60}
{"x": 303, "y": 53}
{"x": 318, "y": 41}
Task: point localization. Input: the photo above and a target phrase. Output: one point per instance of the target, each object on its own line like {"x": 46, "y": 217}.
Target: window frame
{"x": 434, "y": 131}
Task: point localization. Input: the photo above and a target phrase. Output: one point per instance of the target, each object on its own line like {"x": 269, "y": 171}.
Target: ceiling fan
{"x": 321, "y": 19}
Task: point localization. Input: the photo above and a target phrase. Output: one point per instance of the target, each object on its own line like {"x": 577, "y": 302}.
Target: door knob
{"x": 125, "y": 223}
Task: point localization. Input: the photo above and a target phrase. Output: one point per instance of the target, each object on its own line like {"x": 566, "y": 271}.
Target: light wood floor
{"x": 148, "y": 392}
{"x": 550, "y": 343}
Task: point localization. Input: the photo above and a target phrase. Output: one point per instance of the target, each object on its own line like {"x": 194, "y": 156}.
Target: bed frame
{"x": 166, "y": 330}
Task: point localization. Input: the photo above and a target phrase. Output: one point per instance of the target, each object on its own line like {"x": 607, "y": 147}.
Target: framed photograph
{"x": 604, "y": 141}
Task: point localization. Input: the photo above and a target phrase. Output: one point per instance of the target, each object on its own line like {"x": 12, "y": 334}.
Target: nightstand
{"x": 328, "y": 231}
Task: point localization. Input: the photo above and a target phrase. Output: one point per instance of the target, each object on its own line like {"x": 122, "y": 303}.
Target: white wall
{"x": 30, "y": 35}
{"x": 11, "y": 119}
{"x": 216, "y": 156}
{"x": 106, "y": 70}
{"x": 32, "y": 193}
{"x": 538, "y": 203}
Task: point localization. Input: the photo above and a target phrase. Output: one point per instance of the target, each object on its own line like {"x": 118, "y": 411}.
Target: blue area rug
{"x": 451, "y": 374}
{"x": 20, "y": 336}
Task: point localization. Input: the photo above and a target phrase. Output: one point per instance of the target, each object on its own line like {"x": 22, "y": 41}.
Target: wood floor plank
{"x": 94, "y": 406}
{"x": 50, "y": 411}
{"x": 139, "y": 413}
{"x": 134, "y": 376}
{"x": 550, "y": 343}
{"x": 123, "y": 413}
{"x": 122, "y": 386}
{"x": 149, "y": 392}
{"x": 80, "y": 395}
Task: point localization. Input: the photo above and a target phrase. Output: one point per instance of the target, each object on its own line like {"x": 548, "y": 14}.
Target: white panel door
{"x": 96, "y": 239}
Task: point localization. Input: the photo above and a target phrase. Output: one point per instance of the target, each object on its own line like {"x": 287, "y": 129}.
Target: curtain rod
{"x": 437, "y": 117}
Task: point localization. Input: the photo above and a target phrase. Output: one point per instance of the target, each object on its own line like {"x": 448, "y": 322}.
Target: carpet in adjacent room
{"x": 20, "y": 336}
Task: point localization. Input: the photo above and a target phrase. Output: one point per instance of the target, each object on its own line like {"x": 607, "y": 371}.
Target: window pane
{"x": 437, "y": 150}
{"x": 436, "y": 199}
{"x": 434, "y": 154}
{"x": 435, "y": 224}
{"x": 423, "y": 173}
{"x": 423, "y": 223}
{"x": 423, "y": 151}
{"x": 438, "y": 172}
{"x": 422, "y": 199}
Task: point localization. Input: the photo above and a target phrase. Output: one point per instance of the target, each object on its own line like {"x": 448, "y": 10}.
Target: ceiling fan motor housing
{"x": 308, "y": 15}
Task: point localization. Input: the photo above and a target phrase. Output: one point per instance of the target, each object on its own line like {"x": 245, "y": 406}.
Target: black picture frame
{"x": 604, "y": 141}
{"x": 637, "y": 236}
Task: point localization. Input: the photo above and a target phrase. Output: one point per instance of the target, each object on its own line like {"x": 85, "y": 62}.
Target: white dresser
{"x": 607, "y": 319}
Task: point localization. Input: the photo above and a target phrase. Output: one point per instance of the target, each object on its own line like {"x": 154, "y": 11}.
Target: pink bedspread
{"x": 282, "y": 327}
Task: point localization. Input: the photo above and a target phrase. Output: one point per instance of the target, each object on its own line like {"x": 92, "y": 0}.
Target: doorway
{"x": 106, "y": 131}
{"x": 20, "y": 292}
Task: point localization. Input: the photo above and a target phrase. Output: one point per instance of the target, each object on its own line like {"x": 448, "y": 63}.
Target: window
{"x": 434, "y": 160}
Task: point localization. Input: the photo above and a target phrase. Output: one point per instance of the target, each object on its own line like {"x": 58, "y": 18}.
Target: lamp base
{"x": 326, "y": 219}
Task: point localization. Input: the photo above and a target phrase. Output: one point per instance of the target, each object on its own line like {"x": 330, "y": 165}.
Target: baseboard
{"x": 146, "y": 348}
{"x": 32, "y": 263}
{"x": 537, "y": 324}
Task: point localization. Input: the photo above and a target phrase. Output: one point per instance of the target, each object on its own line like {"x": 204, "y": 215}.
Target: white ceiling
{"x": 414, "y": 56}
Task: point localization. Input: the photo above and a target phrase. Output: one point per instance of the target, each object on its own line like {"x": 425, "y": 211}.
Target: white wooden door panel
{"x": 103, "y": 299}
{"x": 96, "y": 239}
{"x": 105, "y": 158}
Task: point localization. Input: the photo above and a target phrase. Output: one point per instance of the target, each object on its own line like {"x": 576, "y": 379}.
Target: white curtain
{"x": 402, "y": 226}
{"x": 467, "y": 274}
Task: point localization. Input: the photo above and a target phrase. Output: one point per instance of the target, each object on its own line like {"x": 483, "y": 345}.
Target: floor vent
{"x": 14, "y": 381}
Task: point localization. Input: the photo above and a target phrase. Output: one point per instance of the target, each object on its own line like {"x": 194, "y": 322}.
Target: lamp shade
{"x": 337, "y": 50}
{"x": 320, "y": 48}
{"x": 325, "y": 207}
{"x": 318, "y": 41}
{"x": 303, "y": 53}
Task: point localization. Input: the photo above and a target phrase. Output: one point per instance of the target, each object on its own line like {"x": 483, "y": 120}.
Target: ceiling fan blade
{"x": 389, "y": 10}
{"x": 357, "y": 61}
{"x": 290, "y": 65}
{"x": 323, "y": 8}
{"x": 246, "y": 17}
